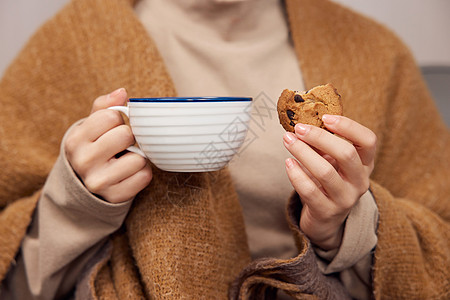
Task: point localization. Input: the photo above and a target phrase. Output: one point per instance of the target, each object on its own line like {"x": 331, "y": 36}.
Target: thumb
{"x": 116, "y": 98}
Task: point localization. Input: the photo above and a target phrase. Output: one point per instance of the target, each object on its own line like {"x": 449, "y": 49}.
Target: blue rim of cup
{"x": 191, "y": 99}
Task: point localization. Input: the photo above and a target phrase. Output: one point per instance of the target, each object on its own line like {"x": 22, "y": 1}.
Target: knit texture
{"x": 184, "y": 236}
{"x": 299, "y": 277}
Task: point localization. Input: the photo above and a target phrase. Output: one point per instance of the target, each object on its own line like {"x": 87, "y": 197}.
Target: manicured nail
{"x": 289, "y": 163}
{"x": 329, "y": 119}
{"x": 116, "y": 92}
{"x": 289, "y": 138}
{"x": 301, "y": 129}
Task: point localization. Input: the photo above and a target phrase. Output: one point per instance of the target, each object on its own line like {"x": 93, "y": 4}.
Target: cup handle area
{"x": 137, "y": 151}
{"x": 125, "y": 111}
{"x": 122, "y": 109}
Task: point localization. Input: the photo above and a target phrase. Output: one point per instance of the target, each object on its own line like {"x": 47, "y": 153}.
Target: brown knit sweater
{"x": 69, "y": 62}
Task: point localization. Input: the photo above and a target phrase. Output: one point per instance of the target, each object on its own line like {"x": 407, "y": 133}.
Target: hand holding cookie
{"x": 329, "y": 173}
{"x": 308, "y": 107}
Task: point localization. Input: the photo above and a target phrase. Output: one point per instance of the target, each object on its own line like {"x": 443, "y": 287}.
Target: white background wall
{"x": 18, "y": 20}
{"x": 423, "y": 25}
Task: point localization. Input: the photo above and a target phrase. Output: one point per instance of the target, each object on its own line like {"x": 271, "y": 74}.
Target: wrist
{"x": 330, "y": 242}
{"x": 327, "y": 233}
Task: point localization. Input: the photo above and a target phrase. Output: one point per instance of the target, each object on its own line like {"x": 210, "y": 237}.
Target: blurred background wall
{"x": 423, "y": 25}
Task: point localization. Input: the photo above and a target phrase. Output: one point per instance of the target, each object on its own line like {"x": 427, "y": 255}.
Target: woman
{"x": 198, "y": 247}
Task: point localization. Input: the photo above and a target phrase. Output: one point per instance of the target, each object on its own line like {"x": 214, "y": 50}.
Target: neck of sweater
{"x": 217, "y": 47}
{"x": 219, "y": 21}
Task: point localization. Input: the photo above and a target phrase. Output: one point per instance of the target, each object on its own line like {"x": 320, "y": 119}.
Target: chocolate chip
{"x": 292, "y": 123}
{"x": 290, "y": 114}
{"x": 298, "y": 98}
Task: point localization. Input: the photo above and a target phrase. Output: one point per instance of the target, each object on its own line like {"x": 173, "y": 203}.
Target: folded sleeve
{"x": 69, "y": 225}
{"x": 353, "y": 259}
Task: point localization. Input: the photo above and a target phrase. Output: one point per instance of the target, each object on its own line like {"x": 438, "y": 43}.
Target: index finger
{"x": 116, "y": 98}
{"x": 98, "y": 123}
{"x": 362, "y": 137}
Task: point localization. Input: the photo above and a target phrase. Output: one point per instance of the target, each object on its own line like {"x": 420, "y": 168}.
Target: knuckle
{"x": 141, "y": 161}
{"x": 327, "y": 173}
{"x": 82, "y": 164}
{"x": 137, "y": 161}
{"x": 308, "y": 190}
{"x": 95, "y": 184}
{"x": 125, "y": 134}
{"x": 74, "y": 139}
{"x": 110, "y": 117}
{"x": 372, "y": 139}
{"x": 146, "y": 175}
{"x": 349, "y": 154}
{"x": 71, "y": 143}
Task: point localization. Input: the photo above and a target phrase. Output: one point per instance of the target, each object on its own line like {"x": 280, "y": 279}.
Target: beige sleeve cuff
{"x": 69, "y": 226}
{"x": 65, "y": 189}
{"x": 353, "y": 259}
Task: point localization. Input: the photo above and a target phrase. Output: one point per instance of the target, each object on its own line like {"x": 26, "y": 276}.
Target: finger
{"x": 116, "y": 98}
{"x": 330, "y": 159}
{"x": 319, "y": 167}
{"x": 101, "y": 180}
{"x": 307, "y": 189}
{"x": 129, "y": 187}
{"x": 98, "y": 124}
{"x": 343, "y": 152}
{"x": 114, "y": 141}
{"x": 121, "y": 168}
{"x": 362, "y": 137}
{"x": 306, "y": 171}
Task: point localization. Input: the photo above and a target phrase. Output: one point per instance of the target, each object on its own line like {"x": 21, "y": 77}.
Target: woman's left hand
{"x": 330, "y": 174}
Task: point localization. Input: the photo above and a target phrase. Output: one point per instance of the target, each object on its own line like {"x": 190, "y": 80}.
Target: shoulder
{"x": 329, "y": 24}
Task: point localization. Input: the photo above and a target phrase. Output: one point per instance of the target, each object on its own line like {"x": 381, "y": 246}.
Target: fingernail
{"x": 289, "y": 163}
{"x": 301, "y": 129}
{"x": 329, "y": 119}
{"x": 116, "y": 92}
{"x": 289, "y": 138}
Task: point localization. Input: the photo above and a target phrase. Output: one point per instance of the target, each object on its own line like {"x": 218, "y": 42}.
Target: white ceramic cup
{"x": 188, "y": 134}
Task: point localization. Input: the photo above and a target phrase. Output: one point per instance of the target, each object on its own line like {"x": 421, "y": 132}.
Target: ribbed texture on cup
{"x": 190, "y": 137}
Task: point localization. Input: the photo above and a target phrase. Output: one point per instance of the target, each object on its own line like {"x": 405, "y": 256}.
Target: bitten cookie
{"x": 309, "y": 107}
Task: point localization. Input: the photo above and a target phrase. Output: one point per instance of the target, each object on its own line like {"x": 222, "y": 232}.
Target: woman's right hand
{"x": 92, "y": 148}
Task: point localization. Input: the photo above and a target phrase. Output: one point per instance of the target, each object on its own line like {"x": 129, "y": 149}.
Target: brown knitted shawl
{"x": 184, "y": 236}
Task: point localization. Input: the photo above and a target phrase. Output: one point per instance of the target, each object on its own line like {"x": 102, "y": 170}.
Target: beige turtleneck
{"x": 237, "y": 48}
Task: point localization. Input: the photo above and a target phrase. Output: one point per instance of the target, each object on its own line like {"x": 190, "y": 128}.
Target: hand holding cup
{"x": 92, "y": 148}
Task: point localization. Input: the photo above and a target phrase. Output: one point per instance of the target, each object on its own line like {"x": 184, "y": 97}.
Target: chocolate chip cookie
{"x": 308, "y": 107}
